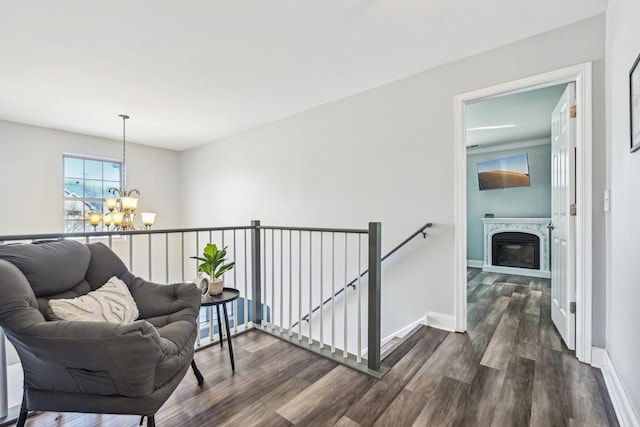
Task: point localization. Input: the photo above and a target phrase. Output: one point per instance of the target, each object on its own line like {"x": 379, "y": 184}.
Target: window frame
{"x": 83, "y": 199}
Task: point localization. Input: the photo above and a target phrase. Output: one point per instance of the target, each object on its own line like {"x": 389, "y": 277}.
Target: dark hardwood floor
{"x": 511, "y": 369}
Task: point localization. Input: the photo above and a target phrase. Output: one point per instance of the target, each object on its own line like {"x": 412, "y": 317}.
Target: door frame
{"x": 581, "y": 74}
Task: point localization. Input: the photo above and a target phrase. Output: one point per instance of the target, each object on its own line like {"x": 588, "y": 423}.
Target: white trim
{"x": 584, "y": 240}
{"x": 597, "y": 357}
{"x": 400, "y": 334}
{"x": 507, "y": 146}
{"x": 442, "y": 321}
{"x": 627, "y": 416}
{"x": 581, "y": 75}
{"x": 516, "y": 271}
{"x": 460, "y": 211}
{"x": 475, "y": 263}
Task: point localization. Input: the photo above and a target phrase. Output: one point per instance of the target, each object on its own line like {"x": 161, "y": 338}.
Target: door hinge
{"x": 573, "y": 111}
{"x": 573, "y": 209}
{"x": 572, "y": 307}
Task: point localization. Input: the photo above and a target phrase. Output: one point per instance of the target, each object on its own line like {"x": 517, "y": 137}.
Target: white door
{"x": 562, "y": 225}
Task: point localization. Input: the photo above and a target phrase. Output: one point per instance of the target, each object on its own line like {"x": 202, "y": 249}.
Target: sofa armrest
{"x": 156, "y": 300}
{"x": 90, "y": 357}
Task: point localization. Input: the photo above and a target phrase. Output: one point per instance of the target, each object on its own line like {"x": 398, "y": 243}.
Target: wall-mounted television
{"x": 504, "y": 172}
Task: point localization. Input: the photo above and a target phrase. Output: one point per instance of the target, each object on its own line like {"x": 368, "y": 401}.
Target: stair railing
{"x": 352, "y": 283}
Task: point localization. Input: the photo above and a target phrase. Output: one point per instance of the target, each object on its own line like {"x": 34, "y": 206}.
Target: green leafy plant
{"x": 213, "y": 261}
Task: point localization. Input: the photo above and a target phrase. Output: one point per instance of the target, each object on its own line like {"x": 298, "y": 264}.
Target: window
{"x": 86, "y": 183}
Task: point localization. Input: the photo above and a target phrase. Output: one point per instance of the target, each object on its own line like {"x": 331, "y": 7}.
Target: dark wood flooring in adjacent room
{"x": 511, "y": 369}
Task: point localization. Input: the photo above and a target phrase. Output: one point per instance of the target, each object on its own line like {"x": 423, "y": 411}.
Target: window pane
{"x": 94, "y": 206}
{"x": 73, "y": 226}
{"x": 73, "y": 209}
{"x": 93, "y": 169}
{"x": 73, "y": 187}
{"x": 73, "y": 168}
{"x": 111, "y": 172}
{"x": 93, "y": 189}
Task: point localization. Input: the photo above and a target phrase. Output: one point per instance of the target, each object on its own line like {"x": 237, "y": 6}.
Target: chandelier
{"x": 122, "y": 203}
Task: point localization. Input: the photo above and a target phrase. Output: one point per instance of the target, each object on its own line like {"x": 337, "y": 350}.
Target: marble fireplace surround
{"x": 535, "y": 226}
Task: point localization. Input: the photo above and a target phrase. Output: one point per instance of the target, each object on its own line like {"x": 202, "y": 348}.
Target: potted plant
{"x": 213, "y": 265}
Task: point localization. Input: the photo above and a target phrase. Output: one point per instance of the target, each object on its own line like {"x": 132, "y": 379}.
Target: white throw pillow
{"x": 112, "y": 302}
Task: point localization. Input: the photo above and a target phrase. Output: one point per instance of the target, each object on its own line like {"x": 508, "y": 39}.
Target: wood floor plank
{"x": 322, "y": 395}
{"x": 532, "y": 303}
{"x": 505, "y": 289}
{"x": 483, "y": 397}
{"x": 526, "y": 350}
{"x": 514, "y": 404}
{"x": 487, "y": 315}
{"x": 330, "y": 412}
{"x": 424, "y": 333}
{"x": 457, "y": 357}
{"x": 548, "y": 335}
{"x": 260, "y": 343}
{"x": 316, "y": 370}
{"x": 502, "y": 342}
{"x": 549, "y": 406}
{"x": 528, "y": 329}
{"x": 446, "y": 406}
{"x": 265, "y": 405}
{"x": 404, "y": 409}
{"x": 583, "y": 396}
{"x": 346, "y": 422}
{"x": 472, "y": 273}
{"x": 376, "y": 400}
{"x": 519, "y": 280}
{"x": 612, "y": 419}
{"x": 576, "y": 423}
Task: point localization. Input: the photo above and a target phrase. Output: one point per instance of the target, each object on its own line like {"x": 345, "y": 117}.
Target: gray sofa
{"x": 93, "y": 367}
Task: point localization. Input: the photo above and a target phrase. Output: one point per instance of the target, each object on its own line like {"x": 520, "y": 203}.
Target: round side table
{"x": 227, "y": 295}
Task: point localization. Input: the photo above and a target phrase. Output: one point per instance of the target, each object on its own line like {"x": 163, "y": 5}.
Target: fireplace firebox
{"x": 515, "y": 249}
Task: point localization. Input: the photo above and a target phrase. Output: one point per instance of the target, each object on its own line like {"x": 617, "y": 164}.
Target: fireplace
{"x": 515, "y": 249}
{"x": 517, "y": 246}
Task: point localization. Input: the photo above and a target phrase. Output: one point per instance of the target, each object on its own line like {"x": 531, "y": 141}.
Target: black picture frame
{"x": 634, "y": 105}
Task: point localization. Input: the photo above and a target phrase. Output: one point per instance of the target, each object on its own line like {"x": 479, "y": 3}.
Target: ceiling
{"x": 195, "y": 71}
{"x": 512, "y": 118}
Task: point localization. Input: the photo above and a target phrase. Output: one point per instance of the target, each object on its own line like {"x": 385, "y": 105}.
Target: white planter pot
{"x": 216, "y": 286}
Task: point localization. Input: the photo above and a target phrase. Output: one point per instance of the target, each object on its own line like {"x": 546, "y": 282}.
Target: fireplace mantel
{"x": 535, "y": 226}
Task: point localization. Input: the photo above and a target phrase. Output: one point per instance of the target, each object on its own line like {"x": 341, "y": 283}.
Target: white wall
{"x": 32, "y": 185}
{"x": 383, "y": 155}
{"x": 623, "y": 227}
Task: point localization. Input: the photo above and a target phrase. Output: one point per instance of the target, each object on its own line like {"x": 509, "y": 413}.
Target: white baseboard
{"x": 474, "y": 263}
{"x": 627, "y": 417}
{"x": 516, "y": 271}
{"x": 597, "y": 357}
{"x": 400, "y": 333}
{"x": 442, "y": 321}
{"x": 404, "y": 331}
{"x": 434, "y": 320}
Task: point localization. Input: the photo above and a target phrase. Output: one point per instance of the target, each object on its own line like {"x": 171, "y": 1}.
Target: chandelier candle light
{"x": 121, "y": 215}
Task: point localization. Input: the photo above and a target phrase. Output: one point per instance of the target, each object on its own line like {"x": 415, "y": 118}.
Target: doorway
{"x": 580, "y": 75}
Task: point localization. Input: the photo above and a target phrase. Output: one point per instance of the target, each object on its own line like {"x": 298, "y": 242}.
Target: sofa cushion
{"x": 105, "y": 264}
{"x": 50, "y": 267}
{"x": 112, "y": 302}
